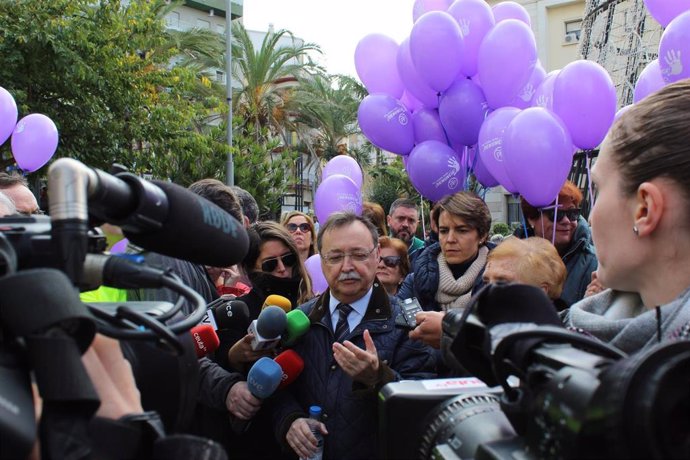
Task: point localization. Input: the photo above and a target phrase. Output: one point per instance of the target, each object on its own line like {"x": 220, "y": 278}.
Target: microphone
{"x": 205, "y": 339}
{"x": 262, "y": 380}
{"x": 291, "y": 365}
{"x": 123, "y": 271}
{"x": 297, "y": 325}
{"x": 278, "y": 301}
{"x": 232, "y": 315}
{"x": 157, "y": 216}
{"x": 267, "y": 328}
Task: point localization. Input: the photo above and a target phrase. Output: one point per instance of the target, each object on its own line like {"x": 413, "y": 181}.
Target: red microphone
{"x": 205, "y": 339}
{"x": 292, "y": 366}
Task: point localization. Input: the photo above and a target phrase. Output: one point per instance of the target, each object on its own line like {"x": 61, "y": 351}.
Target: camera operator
{"x": 641, "y": 226}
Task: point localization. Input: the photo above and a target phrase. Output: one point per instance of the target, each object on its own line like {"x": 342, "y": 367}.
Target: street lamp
{"x": 230, "y": 173}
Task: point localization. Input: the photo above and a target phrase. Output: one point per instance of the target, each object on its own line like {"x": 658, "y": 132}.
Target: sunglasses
{"x": 571, "y": 214}
{"x": 269, "y": 265}
{"x": 391, "y": 261}
{"x": 292, "y": 228}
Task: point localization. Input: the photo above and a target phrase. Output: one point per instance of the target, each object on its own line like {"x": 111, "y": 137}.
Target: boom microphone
{"x": 278, "y": 301}
{"x": 157, "y": 216}
{"x": 292, "y": 366}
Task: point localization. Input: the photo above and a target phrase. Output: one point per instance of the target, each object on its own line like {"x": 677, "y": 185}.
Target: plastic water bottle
{"x": 315, "y": 414}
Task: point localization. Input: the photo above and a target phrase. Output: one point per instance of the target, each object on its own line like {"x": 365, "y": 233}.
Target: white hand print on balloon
{"x": 542, "y": 101}
{"x": 454, "y": 165}
{"x": 464, "y": 24}
{"x": 527, "y": 92}
{"x": 672, "y": 59}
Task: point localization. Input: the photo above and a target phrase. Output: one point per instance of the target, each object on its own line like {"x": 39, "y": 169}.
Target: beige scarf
{"x": 454, "y": 293}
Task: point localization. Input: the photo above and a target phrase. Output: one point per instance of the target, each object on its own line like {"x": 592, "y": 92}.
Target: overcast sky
{"x": 336, "y": 26}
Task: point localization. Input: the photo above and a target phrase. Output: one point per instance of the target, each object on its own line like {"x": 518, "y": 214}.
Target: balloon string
{"x": 555, "y": 221}
{"x": 522, "y": 214}
{"x": 588, "y": 162}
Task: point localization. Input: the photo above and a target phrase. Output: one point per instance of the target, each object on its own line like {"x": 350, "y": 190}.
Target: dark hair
{"x": 400, "y": 248}
{"x": 375, "y": 213}
{"x": 402, "y": 202}
{"x": 469, "y": 207}
{"x": 249, "y": 206}
{"x": 341, "y": 219}
{"x": 261, "y": 232}
{"x": 286, "y": 219}
{"x": 10, "y": 180}
{"x": 652, "y": 139}
{"x": 219, "y": 194}
{"x": 569, "y": 192}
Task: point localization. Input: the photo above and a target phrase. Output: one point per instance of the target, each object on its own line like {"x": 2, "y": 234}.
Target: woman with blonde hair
{"x": 302, "y": 231}
{"x": 394, "y": 264}
{"x": 375, "y": 213}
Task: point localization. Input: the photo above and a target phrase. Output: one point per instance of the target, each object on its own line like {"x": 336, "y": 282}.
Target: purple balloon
{"x": 475, "y": 20}
{"x": 665, "y": 11}
{"x": 585, "y": 100}
{"x": 411, "y": 103}
{"x": 413, "y": 82}
{"x": 345, "y": 165}
{"x": 421, "y": 7}
{"x": 674, "y": 49}
{"x": 120, "y": 247}
{"x": 462, "y": 110}
{"x": 477, "y": 167}
{"x": 386, "y": 123}
{"x": 525, "y": 96}
{"x": 621, "y": 111}
{"x": 544, "y": 96}
{"x": 34, "y": 141}
{"x": 491, "y": 144}
{"x": 436, "y": 48}
{"x": 427, "y": 126}
{"x": 318, "y": 280}
{"x": 375, "y": 62}
{"x": 435, "y": 170}
{"x": 649, "y": 81}
{"x": 337, "y": 193}
{"x": 538, "y": 164}
{"x": 8, "y": 114}
{"x": 511, "y": 10}
{"x": 507, "y": 57}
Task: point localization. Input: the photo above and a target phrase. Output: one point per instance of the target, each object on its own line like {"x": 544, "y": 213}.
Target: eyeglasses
{"x": 391, "y": 261}
{"x": 35, "y": 212}
{"x": 339, "y": 257}
{"x": 571, "y": 214}
{"x": 292, "y": 228}
{"x": 269, "y": 265}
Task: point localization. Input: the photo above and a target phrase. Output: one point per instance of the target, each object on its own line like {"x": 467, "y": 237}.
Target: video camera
{"x": 45, "y": 328}
{"x": 574, "y": 397}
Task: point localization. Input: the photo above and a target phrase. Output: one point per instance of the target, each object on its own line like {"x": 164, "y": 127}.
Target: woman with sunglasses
{"x": 302, "y": 231}
{"x": 394, "y": 264}
{"x": 573, "y": 238}
{"x": 273, "y": 266}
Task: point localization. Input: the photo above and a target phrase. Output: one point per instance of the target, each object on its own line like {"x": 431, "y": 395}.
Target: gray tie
{"x": 342, "y": 329}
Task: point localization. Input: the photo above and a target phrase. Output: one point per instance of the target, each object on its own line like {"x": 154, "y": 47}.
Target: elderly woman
{"x": 302, "y": 231}
{"x": 273, "y": 267}
{"x": 394, "y": 264}
{"x": 572, "y": 238}
{"x": 532, "y": 261}
{"x": 448, "y": 272}
{"x": 641, "y": 226}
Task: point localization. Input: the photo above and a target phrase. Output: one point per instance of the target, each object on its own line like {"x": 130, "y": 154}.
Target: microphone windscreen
{"x": 264, "y": 377}
{"x": 297, "y": 325}
{"x": 517, "y": 303}
{"x": 195, "y": 230}
{"x": 205, "y": 339}
{"x": 278, "y": 301}
{"x": 291, "y": 365}
{"x": 232, "y": 315}
{"x": 271, "y": 322}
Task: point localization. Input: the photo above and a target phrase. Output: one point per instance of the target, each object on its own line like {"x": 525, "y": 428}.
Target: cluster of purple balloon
{"x": 468, "y": 79}
{"x": 673, "y": 63}
{"x": 339, "y": 190}
{"x": 34, "y": 137}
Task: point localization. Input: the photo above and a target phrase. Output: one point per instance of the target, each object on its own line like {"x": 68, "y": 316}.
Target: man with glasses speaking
{"x": 569, "y": 232}
{"x": 351, "y": 350}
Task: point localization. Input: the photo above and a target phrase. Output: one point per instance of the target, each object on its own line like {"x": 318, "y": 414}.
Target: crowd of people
{"x": 624, "y": 281}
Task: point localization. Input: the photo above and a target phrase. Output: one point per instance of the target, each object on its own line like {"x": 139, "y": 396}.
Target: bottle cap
{"x": 314, "y": 411}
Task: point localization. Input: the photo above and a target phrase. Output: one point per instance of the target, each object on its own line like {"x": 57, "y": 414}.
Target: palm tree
{"x": 261, "y": 71}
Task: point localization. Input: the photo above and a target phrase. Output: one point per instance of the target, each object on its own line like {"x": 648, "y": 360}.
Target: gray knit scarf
{"x": 456, "y": 293}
